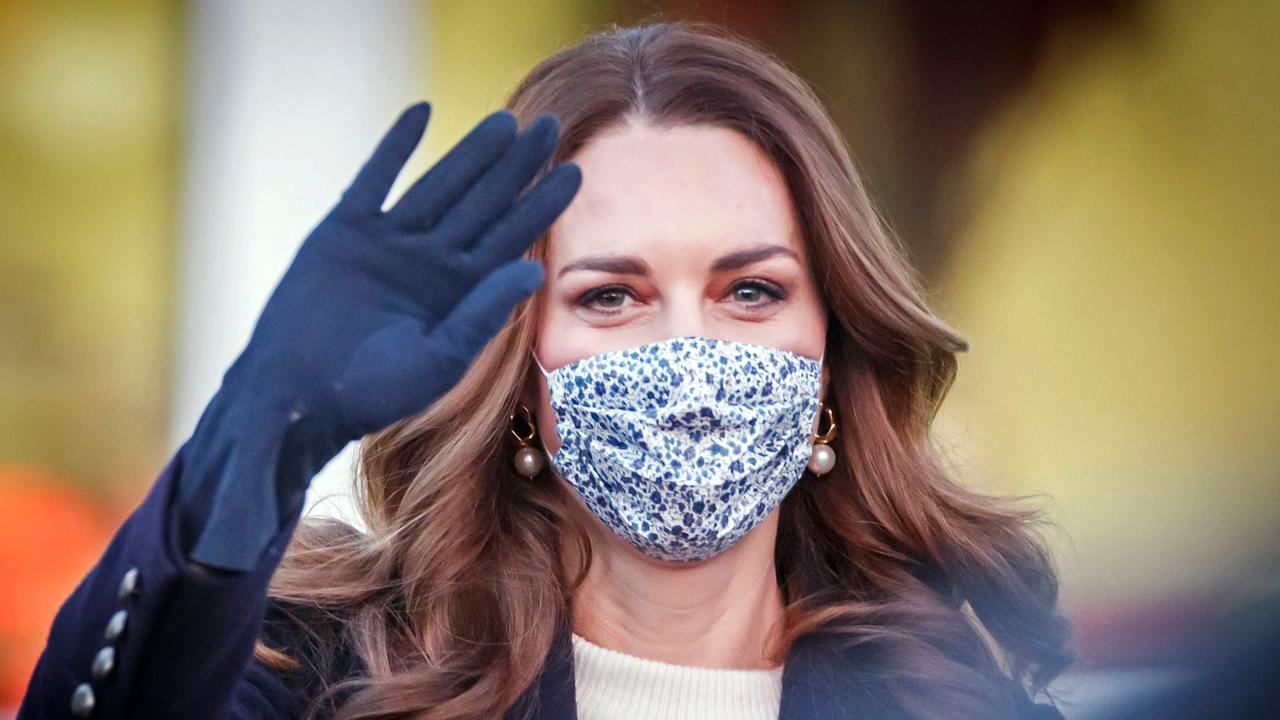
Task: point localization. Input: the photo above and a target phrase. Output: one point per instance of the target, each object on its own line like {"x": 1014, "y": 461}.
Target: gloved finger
{"x": 367, "y": 192}
{"x": 401, "y": 369}
{"x": 495, "y": 192}
{"x": 482, "y": 311}
{"x": 433, "y": 193}
{"x": 530, "y": 218}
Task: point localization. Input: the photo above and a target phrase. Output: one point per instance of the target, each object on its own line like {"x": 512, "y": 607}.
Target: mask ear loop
{"x": 539, "y": 362}
{"x": 820, "y": 358}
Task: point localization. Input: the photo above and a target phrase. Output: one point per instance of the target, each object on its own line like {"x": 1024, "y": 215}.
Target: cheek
{"x": 809, "y": 342}
{"x": 545, "y": 419}
{"x": 803, "y": 330}
{"x": 813, "y": 316}
{"x": 560, "y": 340}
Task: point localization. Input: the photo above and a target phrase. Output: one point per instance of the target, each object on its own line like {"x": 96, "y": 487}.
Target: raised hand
{"x": 379, "y": 315}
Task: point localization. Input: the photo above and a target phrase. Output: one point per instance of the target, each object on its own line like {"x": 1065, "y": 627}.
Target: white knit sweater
{"x": 610, "y": 685}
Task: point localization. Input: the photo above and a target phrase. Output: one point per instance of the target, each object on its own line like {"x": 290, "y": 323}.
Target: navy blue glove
{"x": 379, "y": 314}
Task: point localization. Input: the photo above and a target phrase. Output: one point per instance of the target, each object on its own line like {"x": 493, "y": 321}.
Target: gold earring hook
{"x": 528, "y": 419}
{"x": 830, "y": 434}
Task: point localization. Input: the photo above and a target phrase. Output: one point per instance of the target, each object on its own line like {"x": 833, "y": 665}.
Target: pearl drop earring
{"x": 823, "y": 456}
{"x": 528, "y": 459}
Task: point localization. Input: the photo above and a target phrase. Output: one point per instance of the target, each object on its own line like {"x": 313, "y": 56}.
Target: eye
{"x": 757, "y": 293}
{"x": 606, "y": 299}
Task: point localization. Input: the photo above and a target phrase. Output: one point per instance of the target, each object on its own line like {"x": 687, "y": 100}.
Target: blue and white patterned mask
{"x": 682, "y": 446}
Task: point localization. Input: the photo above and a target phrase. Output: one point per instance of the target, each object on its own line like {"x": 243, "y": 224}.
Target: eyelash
{"x": 772, "y": 290}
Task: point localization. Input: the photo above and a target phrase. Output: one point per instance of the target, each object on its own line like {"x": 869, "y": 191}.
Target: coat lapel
{"x": 820, "y": 680}
{"x": 552, "y": 696}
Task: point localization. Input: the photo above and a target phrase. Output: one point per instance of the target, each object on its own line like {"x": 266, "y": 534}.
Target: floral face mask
{"x": 682, "y": 446}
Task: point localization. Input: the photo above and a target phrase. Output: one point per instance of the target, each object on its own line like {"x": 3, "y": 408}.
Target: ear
{"x": 822, "y": 388}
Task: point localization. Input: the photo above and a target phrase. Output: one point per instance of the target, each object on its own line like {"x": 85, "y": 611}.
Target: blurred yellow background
{"x": 1090, "y": 190}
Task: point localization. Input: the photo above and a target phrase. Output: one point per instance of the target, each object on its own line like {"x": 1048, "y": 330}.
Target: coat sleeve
{"x": 148, "y": 635}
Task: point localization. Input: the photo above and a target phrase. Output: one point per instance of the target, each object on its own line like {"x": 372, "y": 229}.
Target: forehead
{"x": 647, "y": 190}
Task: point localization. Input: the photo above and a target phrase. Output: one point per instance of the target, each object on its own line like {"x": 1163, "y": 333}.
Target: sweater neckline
{"x": 612, "y": 685}
{"x": 593, "y": 651}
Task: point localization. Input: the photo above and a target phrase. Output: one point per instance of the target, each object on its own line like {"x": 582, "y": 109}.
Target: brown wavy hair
{"x": 452, "y": 597}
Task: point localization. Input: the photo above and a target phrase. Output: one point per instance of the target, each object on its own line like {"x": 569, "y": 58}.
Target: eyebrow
{"x": 620, "y": 264}
{"x": 735, "y": 260}
{"x": 634, "y": 265}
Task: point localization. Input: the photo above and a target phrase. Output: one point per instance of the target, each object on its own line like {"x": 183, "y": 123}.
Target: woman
{"x": 689, "y": 477}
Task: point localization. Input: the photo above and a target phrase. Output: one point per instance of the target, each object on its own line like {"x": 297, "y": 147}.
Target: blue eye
{"x": 758, "y": 290}
{"x": 610, "y": 299}
{"x": 609, "y": 293}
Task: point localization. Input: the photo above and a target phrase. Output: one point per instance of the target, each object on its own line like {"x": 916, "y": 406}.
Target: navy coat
{"x": 147, "y": 635}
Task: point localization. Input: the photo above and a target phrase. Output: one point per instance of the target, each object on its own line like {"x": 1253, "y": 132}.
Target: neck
{"x": 723, "y": 612}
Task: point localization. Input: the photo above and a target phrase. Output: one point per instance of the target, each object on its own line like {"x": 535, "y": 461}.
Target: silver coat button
{"x": 104, "y": 662}
{"x": 115, "y": 626}
{"x": 82, "y": 700}
{"x": 129, "y": 583}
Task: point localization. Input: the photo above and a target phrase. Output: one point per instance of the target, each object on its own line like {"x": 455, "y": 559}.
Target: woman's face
{"x": 675, "y": 231}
